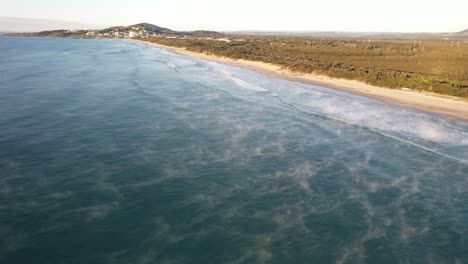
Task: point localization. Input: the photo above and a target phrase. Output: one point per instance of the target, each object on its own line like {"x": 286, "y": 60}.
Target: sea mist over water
{"x": 114, "y": 152}
{"x": 425, "y": 130}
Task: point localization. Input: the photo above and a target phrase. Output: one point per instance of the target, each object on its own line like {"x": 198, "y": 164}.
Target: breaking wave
{"x": 428, "y": 131}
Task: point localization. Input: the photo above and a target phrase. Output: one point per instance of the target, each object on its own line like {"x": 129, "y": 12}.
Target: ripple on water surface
{"x": 113, "y": 152}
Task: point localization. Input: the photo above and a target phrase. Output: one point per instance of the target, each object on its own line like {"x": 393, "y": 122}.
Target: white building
{"x": 131, "y": 34}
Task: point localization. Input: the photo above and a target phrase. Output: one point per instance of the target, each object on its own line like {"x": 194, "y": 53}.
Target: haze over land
{"x": 15, "y": 24}
{"x": 262, "y": 15}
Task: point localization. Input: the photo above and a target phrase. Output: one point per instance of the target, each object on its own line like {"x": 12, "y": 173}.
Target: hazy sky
{"x": 295, "y": 15}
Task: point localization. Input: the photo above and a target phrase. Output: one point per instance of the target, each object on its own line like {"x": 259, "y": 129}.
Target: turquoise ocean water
{"x": 114, "y": 152}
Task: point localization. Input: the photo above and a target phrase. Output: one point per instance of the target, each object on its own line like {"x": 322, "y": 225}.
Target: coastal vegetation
{"x": 429, "y": 65}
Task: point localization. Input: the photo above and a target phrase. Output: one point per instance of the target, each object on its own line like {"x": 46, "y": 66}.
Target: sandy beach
{"x": 454, "y": 107}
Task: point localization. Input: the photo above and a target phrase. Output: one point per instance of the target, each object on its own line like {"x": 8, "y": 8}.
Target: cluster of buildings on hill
{"x": 145, "y": 30}
{"x": 142, "y": 30}
{"x": 123, "y": 32}
{"x": 136, "y": 32}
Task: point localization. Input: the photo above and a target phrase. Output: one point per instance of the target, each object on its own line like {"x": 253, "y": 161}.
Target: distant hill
{"x": 153, "y": 28}
{"x": 136, "y": 30}
{"x": 463, "y": 32}
{"x": 166, "y": 31}
{"x": 205, "y": 33}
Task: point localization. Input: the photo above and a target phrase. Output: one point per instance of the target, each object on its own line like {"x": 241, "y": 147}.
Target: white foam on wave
{"x": 171, "y": 65}
{"x": 223, "y": 70}
{"x": 417, "y": 128}
{"x": 247, "y": 85}
{"x": 213, "y": 71}
{"x": 413, "y": 127}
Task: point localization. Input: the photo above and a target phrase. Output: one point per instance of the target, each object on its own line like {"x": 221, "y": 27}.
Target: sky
{"x": 261, "y": 15}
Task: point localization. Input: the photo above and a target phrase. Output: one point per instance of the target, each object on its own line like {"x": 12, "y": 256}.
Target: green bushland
{"x": 432, "y": 65}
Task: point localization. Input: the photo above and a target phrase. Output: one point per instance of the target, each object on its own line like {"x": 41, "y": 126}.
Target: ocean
{"x": 116, "y": 152}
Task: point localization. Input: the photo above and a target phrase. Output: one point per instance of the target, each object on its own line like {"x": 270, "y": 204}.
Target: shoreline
{"x": 450, "y": 106}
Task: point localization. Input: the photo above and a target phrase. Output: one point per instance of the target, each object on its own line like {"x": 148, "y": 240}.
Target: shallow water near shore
{"x": 115, "y": 152}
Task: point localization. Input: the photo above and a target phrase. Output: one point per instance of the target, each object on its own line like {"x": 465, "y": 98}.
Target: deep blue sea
{"x": 115, "y": 152}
